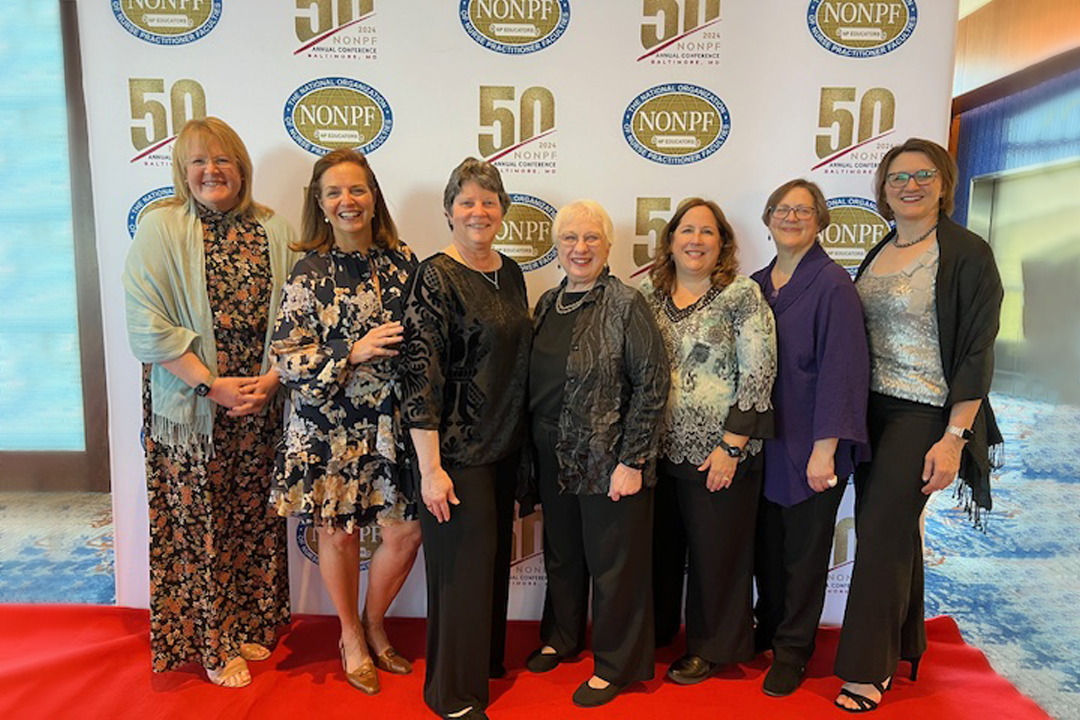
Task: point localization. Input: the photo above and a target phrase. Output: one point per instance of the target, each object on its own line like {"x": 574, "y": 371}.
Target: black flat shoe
{"x": 783, "y": 679}
{"x": 588, "y": 696}
{"x": 691, "y": 669}
{"x": 540, "y": 662}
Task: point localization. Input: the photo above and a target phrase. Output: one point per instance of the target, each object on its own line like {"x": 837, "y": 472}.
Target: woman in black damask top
{"x": 466, "y": 355}
{"x": 344, "y": 463}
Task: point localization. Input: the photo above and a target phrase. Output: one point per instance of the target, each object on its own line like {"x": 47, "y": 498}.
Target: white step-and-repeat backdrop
{"x": 635, "y": 103}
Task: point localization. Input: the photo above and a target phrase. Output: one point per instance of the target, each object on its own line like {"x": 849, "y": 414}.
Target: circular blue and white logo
{"x": 145, "y": 204}
{"x": 515, "y": 27}
{"x": 307, "y": 542}
{"x": 676, "y": 123}
{"x": 336, "y": 112}
{"x": 167, "y": 22}
{"x": 861, "y": 28}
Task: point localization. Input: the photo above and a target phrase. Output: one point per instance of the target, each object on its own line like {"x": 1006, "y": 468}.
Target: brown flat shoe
{"x": 254, "y": 652}
{"x": 365, "y": 679}
{"x": 389, "y": 661}
{"x": 233, "y": 674}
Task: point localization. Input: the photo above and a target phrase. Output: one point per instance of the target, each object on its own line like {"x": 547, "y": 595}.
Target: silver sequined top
{"x": 901, "y": 325}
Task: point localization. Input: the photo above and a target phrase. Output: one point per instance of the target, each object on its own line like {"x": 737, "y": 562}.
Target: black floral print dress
{"x": 218, "y": 553}
{"x": 345, "y": 460}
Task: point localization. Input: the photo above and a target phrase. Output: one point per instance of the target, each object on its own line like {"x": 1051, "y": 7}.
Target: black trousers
{"x": 883, "y": 621}
{"x": 669, "y": 561}
{"x": 467, "y": 563}
{"x": 791, "y": 565}
{"x": 590, "y": 540}
{"x": 720, "y": 535}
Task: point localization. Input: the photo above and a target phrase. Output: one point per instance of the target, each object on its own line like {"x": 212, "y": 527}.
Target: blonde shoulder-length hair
{"x": 203, "y": 132}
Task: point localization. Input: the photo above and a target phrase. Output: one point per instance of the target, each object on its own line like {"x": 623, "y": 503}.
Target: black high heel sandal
{"x": 862, "y": 703}
{"x": 914, "y": 666}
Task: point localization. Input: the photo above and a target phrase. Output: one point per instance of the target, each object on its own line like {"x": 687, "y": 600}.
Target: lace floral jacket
{"x": 722, "y": 350}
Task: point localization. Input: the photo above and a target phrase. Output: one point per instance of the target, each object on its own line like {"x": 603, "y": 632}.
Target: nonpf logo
{"x": 515, "y": 27}
{"x": 167, "y": 22}
{"x": 307, "y": 541}
{"x": 335, "y": 112}
{"x": 145, "y": 204}
{"x": 854, "y": 230}
{"x": 861, "y": 28}
{"x": 676, "y": 124}
{"x": 525, "y": 235}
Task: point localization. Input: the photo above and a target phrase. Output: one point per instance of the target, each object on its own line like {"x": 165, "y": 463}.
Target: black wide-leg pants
{"x": 720, "y": 535}
{"x": 592, "y": 541}
{"x": 669, "y": 562}
{"x": 883, "y": 621}
{"x": 467, "y": 562}
{"x": 791, "y": 565}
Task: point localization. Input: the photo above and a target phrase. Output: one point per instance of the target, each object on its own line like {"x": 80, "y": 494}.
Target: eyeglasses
{"x": 901, "y": 179}
{"x": 572, "y": 240}
{"x": 802, "y": 212}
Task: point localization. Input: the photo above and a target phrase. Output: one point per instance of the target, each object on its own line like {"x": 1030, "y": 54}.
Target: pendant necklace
{"x": 493, "y": 278}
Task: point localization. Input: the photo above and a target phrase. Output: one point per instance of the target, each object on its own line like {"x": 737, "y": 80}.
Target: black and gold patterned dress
{"x": 344, "y": 461}
{"x": 218, "y": 553}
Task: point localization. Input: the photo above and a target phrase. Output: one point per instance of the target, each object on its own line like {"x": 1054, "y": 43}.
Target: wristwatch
{"x": 962, "y": 433}
{"x": 731, "y": 450}
{"x": 635, "y": 464}
{"x": 202, "y": 389}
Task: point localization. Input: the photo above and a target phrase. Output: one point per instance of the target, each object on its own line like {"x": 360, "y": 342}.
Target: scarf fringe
{"x": 197, "y": 435}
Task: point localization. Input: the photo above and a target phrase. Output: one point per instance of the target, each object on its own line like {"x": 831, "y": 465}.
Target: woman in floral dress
{"x": 344, "y": 462}
{"x": 202, "y": 282}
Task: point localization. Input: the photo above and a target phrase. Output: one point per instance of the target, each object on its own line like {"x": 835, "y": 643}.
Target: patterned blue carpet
{"x": 1014, "y": 590}
{"x": 56, "y": 547}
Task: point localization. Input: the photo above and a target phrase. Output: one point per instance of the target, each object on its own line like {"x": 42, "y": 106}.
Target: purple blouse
{"x": 823, "y": 374}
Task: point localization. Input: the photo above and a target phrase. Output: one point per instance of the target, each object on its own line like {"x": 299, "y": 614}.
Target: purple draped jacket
{"x": 822, "y": 377}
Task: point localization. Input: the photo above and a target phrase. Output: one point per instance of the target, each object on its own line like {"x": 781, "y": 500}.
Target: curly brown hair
{"x": 727, "y": 264}
{"x": 316, "y": 233}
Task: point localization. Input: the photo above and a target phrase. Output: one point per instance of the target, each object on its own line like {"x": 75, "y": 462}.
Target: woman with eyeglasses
{"x": 721, "y": 344}
{"x": 819, "y": 400}
{"x": 598, "y": 380}
{"x": 932, "y": 296}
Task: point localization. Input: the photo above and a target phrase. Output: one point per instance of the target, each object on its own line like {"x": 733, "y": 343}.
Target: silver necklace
{"x": 567, "y": 309}
{"x": 493, "y": 278}
{"x": 896, "y": 241}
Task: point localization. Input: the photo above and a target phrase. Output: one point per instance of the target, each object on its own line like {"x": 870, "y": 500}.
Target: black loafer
{"x": 782, "y": 679}
{"x": 587, "y": 696}
{"x": 691, "y": 669}
{"x": 539, "y": 662}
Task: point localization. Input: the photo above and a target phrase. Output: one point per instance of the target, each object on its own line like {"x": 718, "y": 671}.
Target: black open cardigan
{"x": 968, "y": 295}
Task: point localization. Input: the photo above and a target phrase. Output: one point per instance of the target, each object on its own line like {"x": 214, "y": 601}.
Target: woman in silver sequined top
{"x": 932, "y": 295}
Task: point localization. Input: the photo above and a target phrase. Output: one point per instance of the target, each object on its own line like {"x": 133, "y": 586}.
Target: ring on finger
{"x": 831, "y": 482}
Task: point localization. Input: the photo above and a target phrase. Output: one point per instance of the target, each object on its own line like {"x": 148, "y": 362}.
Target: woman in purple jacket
{"x": 819, "y": 400}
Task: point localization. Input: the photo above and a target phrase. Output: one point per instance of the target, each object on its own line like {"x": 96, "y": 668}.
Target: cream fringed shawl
{"x": 168, "y": 313}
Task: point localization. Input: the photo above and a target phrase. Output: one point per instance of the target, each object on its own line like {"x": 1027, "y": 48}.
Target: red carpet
{"x": 91, "y": 662}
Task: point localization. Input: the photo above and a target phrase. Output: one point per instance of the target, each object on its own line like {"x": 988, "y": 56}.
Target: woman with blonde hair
{"x": 203, "y": 283}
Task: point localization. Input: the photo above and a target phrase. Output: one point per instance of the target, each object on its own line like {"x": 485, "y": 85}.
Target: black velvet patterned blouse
{"x": 466, "y": 358}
